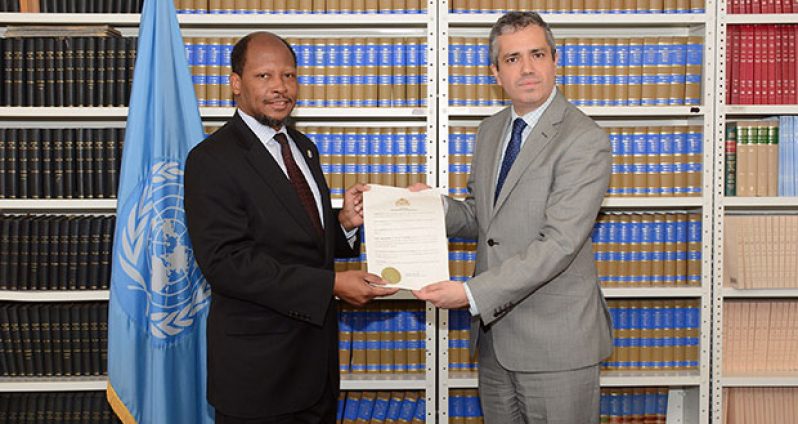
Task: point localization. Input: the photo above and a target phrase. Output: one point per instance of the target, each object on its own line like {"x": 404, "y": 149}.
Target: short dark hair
{"x": 239, "y": 55}
{"x": 512, "y": 22}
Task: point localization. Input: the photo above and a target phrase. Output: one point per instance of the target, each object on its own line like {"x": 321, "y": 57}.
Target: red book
{"x": 734, "y": 6}
{"x": 792, "y": 73}
{"x": 746, "y": 56}
{"x": 756, "y": 6}
{"x": 770, "y": 63}
{"x": 758, "y": 60}
{"x": 779, "y": 63}
{"x": 778, "y": 6}
{"x": 768, "y": 6}
{"x": 733, "y": 65}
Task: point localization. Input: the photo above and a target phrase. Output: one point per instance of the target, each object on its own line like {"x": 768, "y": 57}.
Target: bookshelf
{"x": 690, "y": 390}
{"x": 724, "y": 206}
{"x": 419, "y": 118}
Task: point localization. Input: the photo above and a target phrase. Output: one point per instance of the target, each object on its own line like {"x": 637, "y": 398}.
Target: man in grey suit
{"x": 538, "y": 177}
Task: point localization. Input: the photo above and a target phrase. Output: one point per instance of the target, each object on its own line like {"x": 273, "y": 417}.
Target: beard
{"x": 274, "y": 122}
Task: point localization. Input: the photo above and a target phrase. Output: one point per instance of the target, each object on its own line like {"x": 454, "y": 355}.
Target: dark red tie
{"x": 299, "y": 183}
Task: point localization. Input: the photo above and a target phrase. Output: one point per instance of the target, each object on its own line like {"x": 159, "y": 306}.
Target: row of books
{"x": 646, "y": 161}
{"x": 60, "y": 163}
{"x": 53, "y": 339}
{"x": 382, "y": 337}
{"x": 656, "y": 161}
{"x": 55, "y": 407}
{"x": 761, "y": 64}
{"x": 655, "y": 335}
{"x": 759, "y": 251}
{"x": 762, "y": 6}
{"x": 464, "y": 406}
{"x": 631, "y": 249}
{"x": 636, "y": 405}
{"x": 648, "y": 335}
{"x": 67, "y": 71}
{"x": 389, "y": 156}
{"x": 639, "y": 249}
{"x": 761, "y": 157}
{"x": 301, "y": 7}
{"x": 760, "y": 405}
{"x": 55, "y": 252}
{"x": 579, "y": 6}
{"x": 381, "y": 407}
{"x": 650, "y": 71}
{"x": 759, "y": 336}
{"x": 334, "y": 72}
{"x": 751, "y": 164}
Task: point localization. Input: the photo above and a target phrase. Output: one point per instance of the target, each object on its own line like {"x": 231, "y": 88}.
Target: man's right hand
{"x": 358, "y": 287}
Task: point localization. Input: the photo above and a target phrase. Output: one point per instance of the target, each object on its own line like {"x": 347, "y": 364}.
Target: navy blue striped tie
{"x": 513, "y": 147}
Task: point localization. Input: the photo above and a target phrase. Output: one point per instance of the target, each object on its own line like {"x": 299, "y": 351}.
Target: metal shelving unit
{"x": 422, "y": 25}
{"x": 694, "y": 406}
{"x": 748, "y": 205}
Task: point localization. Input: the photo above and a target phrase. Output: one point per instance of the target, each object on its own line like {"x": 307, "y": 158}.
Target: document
{"x": 405, "y": 236}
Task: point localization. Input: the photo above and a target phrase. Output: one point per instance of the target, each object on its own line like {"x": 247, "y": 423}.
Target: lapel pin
{"x": 310, "y": 154}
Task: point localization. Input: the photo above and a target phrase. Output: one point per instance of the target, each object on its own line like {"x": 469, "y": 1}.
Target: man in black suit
{"x": 265, "y": 235}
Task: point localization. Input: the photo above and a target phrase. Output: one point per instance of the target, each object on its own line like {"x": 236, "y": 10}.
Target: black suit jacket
{"x": 272, "y": 328}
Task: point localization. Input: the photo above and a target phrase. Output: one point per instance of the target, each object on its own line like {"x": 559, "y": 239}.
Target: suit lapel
{"x": 540, "y": 136}
{"x": 264, "y": 165}
{"x": 490, "y": 173}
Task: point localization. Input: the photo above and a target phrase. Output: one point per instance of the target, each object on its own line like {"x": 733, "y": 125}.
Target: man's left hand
{"x": 351, "y": 216}
{"x": 445, "y": 294}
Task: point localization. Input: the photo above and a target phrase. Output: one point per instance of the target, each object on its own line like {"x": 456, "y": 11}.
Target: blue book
{"x": 345, "y": 338}
{"x": 351, "y": 408}
{"x": 386, "y": 65}
{"x": 473, "y": 409}
{"x": 456, "y": 404}
{"x": 365, "y": 406}
{"x": 399, "y": 74}
{"x": 653, "y": 145}
{"x": 420, "y": 414}
{"x": 394, "y": 406}
{"x": 408, "y": 408}
{"x": 339, "y": 411}
{"x": 380, "y": 410}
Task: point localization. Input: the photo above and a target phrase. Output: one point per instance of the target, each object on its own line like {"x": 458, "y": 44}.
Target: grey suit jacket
{"x": 535, "y": 282}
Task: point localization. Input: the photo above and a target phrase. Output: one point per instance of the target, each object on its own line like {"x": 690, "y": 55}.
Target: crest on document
{"x": 402, "y": 203}
{"x": 156, "y": 256}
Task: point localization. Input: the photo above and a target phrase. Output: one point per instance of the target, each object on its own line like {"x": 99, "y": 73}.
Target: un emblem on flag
{"x": 157, "y": 257}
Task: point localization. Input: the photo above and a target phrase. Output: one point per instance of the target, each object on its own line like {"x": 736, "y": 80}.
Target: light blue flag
{"x": 159, "y": 298}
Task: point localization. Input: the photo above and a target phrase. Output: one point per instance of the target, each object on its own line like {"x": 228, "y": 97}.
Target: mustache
{"x": 278, "y": 99}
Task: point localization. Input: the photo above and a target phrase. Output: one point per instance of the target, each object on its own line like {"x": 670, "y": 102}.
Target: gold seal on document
{"x": 391, "y": 275}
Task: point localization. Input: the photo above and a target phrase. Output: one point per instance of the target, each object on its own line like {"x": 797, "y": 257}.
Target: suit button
{"x": 492, "y": 243}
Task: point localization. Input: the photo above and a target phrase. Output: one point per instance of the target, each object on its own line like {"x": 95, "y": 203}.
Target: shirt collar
{"x": 532, "y": 117}
{"x": 263, "y": 132}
